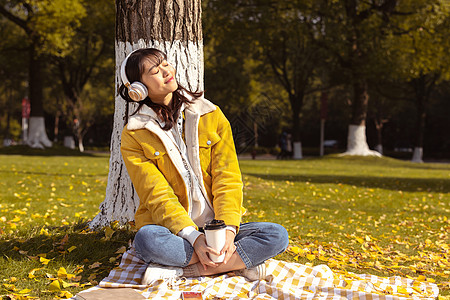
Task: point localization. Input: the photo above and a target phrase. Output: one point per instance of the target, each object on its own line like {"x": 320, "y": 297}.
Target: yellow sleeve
{"x": 226, "y": 176}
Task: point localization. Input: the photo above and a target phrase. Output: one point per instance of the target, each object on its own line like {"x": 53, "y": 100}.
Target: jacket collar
{"x": 199, "y": 106}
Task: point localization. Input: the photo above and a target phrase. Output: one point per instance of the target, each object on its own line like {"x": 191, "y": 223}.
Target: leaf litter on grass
{"x": 333, "y": 217}
{"x": 369, "y": 224}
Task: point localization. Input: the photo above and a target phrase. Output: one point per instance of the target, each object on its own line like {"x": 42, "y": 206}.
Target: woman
{"x": 179, "y": 152}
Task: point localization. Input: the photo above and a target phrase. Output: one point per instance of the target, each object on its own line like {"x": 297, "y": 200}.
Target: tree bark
{"x": 35, "y": 84}
{"x": 296, "y": 104}
{"x": 422, "y": 93}
{"x": 356, "y": 139}
{"x": 37, "y": 136}
{"x": 173, "y": 26}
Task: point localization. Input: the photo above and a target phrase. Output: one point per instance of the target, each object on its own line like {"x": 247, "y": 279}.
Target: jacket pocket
{"x": 154, "y": 153}
{"x": 206, "y": 141}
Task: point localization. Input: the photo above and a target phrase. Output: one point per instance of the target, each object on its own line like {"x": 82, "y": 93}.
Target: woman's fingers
{"x": 229, "y": 247}
{"x": 202, "y": 250}
{"x": 229, "y": 253}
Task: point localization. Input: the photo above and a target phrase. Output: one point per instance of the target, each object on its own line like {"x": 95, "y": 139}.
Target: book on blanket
{"x": 191, "y": 295}
{"x": 109, "y": 293}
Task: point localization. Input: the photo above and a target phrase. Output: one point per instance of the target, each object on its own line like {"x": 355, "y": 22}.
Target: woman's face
{"x": 159, "y": 80}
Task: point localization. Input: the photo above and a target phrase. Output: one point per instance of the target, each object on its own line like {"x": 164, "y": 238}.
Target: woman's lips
{"x": 170, "y": 79}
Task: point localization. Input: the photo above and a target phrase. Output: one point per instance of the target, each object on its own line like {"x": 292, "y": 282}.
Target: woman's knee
{"x": 279, "y": 236}
{"x": 149, "y": 237}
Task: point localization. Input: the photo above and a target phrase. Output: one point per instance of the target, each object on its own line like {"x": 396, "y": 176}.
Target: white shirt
{"x": 201, "y": 211}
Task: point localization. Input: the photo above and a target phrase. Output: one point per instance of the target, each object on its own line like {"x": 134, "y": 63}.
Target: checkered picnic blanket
{"x": 286, "y": 281}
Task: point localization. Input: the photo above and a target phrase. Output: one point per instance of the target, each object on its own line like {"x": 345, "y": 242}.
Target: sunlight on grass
{"x": 365, "y": 215}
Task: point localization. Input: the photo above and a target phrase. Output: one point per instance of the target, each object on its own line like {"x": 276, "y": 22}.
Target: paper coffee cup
{"x": 215, "y": 233}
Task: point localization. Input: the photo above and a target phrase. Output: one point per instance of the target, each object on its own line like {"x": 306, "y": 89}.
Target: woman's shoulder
{"x": 201, "y": 106}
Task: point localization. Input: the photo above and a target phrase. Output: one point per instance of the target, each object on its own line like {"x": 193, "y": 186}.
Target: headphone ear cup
{"x": 137, "y": 91}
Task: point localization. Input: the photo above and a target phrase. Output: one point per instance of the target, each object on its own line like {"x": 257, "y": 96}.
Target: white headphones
{"x": 136, "y": 90}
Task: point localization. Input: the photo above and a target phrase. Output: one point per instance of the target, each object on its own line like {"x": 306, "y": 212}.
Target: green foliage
{"x": 419, "y": 44}
{"x": 51, "y": 22}
{"x": 337, "y": 44}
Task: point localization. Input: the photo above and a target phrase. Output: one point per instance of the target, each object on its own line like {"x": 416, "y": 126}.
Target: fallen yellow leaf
{"x": 402, "y": 290}
{"x": 62, "y": 273}
{"x": 31, "y": 274}
{"x": 108, "y": 233}
{"x": 65, "y": 294}
{"x": 54, "y": 286}
{"x": 95, "y": 265}
{"x": 24, "y": 291}
{"x": 310, "y": 257}
{"x": 44, "y": 261}
{"x": 10, "y": 287}
{"x": 121, "y": 250}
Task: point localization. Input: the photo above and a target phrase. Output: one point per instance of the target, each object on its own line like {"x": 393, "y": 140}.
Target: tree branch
{"x": 16, "y": 20}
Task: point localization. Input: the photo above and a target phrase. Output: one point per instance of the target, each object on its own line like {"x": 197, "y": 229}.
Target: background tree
{"x": 276, "y": 38}
{"x": 91, "y": 52}
{"x": 12, "y": 78}
{"x": 353, "y": 31}
{"x": 419, "y": 51}
{"x": 175, "y": 28}
{"x": 48, "y": 26}
{"x": 287, "y": 30}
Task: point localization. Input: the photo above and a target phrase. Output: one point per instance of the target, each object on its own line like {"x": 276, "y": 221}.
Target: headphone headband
{"x": 136, "y": 90}
{"x": 123, "y": 74}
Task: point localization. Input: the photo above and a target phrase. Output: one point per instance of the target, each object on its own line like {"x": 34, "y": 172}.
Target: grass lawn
{"x": 365, "y": 215}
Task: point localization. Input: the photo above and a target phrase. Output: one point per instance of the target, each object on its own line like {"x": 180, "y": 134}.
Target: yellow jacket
{"x": 154, "y": 163}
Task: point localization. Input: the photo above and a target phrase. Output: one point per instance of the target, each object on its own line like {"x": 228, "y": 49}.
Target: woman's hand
{"x": 229, "y": 247}
{"x": 202, "y": 250}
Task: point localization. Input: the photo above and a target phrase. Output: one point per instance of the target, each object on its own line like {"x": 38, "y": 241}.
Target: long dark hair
{"x": 134, "y": 69}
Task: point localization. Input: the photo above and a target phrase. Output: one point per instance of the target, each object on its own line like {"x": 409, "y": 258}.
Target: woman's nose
{"x": 166, "y": 71}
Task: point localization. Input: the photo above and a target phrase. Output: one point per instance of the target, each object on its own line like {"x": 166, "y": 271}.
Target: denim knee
{"x": 281, "y": 236}
{"x": 156, "y": 244}
{"x": 258, "y": 241}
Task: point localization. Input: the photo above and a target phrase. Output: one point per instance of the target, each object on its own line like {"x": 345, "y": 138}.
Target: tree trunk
{"x": 356, "y": 139}
{"x": 173, "y": 26}
{"x": 80, "y": 142}
{"x": 379, "y": 127}
{"x": 296, "y": 104}
{"x": 56, "y": 129}
{"x": 421, "y": 100}
{"x": 37, "y": 136}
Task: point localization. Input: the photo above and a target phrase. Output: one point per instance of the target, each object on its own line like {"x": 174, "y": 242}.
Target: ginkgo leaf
{"x": 402, "y": 290}
{"x": 121, "y": 250}
{"x": 64, "y": 240}
{"x": 44, "y": 261}
{"x": 62, "y": 273}
{"x": 108, "y": 233}
{"x": 65, "y": 294}
{"x": 95, "y": 265}
{"x": 311, "y": 257}
{"x": 31, "y": 274}
{"x": 25, "y": 291}
{"x": 54, "y": 286}
{"x": 10, "y": 287}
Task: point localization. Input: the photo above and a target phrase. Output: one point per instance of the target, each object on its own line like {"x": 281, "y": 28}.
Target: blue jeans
{"x": 255, "y": 243}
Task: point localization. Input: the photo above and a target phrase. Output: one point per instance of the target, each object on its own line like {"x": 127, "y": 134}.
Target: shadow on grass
{"x": 91, "y": 247}
{"x": 390, "y": 183}
{"x": 52, "y": 174}
{"x": 56, "y": 150}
